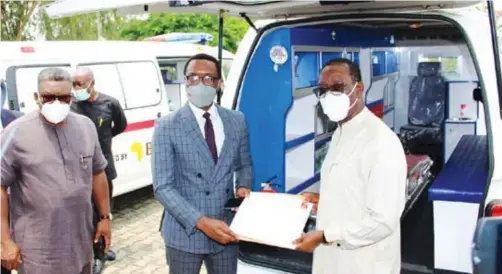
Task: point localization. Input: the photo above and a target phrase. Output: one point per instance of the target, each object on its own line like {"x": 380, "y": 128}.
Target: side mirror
{"x": 476, "y": 95}
{"x": 487, "y": 246}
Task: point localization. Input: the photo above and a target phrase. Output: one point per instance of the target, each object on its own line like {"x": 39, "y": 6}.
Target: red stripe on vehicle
{"x": 377, "y": 110}
{"x": 139, "y": 125}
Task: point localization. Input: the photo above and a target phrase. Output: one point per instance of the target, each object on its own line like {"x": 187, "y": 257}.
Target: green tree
{"x": 157, "y": 24}
{"x": 82, "y": 27}
{"x": 16, "y": 19}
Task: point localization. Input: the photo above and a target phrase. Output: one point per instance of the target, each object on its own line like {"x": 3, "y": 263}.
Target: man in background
{"x": 7, "y": 117}
{"x": 51, "y": 166}
{"x": 109, "y": 119}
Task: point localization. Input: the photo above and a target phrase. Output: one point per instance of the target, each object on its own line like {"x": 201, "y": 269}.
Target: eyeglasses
{"x": 52, "y": 98}
{"x": 196, "y": 79}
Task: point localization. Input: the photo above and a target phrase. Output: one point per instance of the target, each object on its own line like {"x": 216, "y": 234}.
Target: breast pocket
{"x": 85, "y": 161}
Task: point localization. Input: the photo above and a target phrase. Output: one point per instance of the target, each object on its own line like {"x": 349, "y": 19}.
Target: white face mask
{"x": 55, "y": 112}
{"x": 336, "y": 104}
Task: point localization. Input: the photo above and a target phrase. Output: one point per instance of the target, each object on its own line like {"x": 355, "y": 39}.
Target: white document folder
{"x": 275, "y": 219}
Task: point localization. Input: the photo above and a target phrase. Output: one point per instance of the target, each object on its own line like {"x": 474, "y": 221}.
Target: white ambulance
{"x": 431, "y": 71}
{"x": 146, "y": 78}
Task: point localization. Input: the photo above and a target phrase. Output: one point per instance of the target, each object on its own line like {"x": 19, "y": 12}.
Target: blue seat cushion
{"x": 465, "y": 175}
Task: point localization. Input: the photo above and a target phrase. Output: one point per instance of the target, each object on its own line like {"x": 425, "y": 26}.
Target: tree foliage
{"x": 16, "y": 19}
{"x": 82, "y": 27}
{"x": 157, "y": 24}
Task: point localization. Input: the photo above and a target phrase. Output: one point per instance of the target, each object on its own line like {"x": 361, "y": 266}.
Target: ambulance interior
{"x": 419, "y": 77}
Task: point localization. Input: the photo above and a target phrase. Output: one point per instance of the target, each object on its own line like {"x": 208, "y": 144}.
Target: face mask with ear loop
{"x": 336, "y": 104}
{"x": 82, "y": 94}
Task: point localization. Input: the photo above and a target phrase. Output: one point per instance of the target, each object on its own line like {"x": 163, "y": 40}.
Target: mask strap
{"x": 353, "y": 88}
{"x": 350, "y": 93}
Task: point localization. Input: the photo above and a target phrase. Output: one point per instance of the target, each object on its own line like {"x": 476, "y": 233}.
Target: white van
{"x": 146, "y": 78}
{"x": 432, "y": 73}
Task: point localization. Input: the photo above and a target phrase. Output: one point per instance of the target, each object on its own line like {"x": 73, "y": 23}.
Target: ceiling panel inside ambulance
{"x": 252, "y": 8}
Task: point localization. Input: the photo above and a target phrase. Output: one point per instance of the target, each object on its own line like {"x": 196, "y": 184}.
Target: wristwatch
{"x": 104, "y": 217}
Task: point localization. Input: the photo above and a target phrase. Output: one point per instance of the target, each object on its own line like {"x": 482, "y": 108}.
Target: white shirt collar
{"x": 198, "y": 112}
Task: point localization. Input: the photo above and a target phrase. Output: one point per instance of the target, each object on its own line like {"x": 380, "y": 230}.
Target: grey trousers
{"x": 224, "y": 262}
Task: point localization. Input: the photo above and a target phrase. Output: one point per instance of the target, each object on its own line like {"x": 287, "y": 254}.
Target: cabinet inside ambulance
{"x": 419, "y": 78}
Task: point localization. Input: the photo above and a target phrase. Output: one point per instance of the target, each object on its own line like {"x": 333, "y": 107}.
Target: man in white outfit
{"x": 363, "y": 179}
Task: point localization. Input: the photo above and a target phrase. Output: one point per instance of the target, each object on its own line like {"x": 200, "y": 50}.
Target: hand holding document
{"x": 274, "y": 219}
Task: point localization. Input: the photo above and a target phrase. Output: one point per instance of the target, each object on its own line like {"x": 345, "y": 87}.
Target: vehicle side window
{"x": 107, "y": 80}
{"x": 141, "y": 84}
{"x": 449, "y": 65}
{"x": 306, "y": 69}
{"x": 169, "y": 73}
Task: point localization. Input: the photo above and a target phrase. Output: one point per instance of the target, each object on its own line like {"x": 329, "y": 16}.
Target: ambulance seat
{"x": 426, "y": 112}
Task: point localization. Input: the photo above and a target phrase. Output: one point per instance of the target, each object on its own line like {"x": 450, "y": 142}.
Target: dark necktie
{"x": 209, "y": 132}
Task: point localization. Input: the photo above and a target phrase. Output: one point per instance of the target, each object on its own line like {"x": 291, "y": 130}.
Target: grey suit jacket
{"x": 188, "y": 183}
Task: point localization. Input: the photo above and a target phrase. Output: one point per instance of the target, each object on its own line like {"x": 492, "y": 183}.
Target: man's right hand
{"x": 11, "y": 255}
{"x": 216, "y": 230}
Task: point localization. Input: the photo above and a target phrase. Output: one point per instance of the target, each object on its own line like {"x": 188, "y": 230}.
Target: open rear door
{"x": 252, "y": 9}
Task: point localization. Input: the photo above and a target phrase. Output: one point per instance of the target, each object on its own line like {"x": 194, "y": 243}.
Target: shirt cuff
{"x": 333, "y": 235}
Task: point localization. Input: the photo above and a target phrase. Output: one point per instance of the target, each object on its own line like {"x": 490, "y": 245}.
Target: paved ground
{"x": 135, "y": 236}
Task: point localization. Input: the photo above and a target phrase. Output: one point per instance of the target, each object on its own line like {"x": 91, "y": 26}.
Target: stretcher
{"x": 419, "y": 177}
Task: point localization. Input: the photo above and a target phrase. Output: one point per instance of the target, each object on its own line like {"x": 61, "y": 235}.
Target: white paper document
{"x": 274, "y": 219}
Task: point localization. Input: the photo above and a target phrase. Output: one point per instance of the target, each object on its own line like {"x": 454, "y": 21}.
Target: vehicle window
{"x": 27, "y": 85}
{"x": 169, "y": 73}
{"x": 449, "y": 65}
{"x": 106, "y": 80}
{"x": 141, "y": 84}
{"x": 379, "y": 63}
{"x": 306, "y": 69}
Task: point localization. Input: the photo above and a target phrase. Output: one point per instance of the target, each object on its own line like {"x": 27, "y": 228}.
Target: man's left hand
{"x": 104, "y": 230}
{"x": 243, "y": 192}
{"x": 309, "y": 241}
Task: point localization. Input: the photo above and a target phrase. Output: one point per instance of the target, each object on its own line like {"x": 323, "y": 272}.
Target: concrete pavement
{"x": 135, "y": 236}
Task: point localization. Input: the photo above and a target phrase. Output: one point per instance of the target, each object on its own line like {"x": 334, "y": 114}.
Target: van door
{"x": 22, "y": 83}
{"x": 137, "y": 87}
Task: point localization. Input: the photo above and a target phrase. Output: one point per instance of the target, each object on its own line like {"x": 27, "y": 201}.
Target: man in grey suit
{"x": 196, "y": 151}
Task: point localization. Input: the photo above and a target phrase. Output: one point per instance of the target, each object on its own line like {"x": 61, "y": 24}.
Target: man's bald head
{"x": 84, "y": 72}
